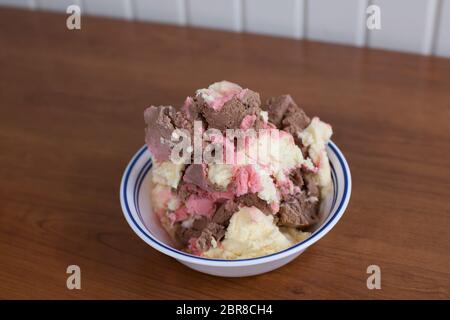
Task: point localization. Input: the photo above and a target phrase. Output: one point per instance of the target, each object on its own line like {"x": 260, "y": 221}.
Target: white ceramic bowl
{"x": 135, "y": 200}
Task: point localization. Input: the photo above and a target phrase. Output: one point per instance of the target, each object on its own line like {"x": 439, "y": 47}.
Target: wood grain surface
{"x": 71, "y": 117}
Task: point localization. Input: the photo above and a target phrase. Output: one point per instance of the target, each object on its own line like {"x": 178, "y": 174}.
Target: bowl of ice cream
{"x": 230, "y": 186}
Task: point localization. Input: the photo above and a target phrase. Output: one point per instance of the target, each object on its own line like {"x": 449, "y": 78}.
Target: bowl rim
{"x": 189, "y": 258}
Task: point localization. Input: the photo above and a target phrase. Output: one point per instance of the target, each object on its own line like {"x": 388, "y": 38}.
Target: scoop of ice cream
{"x": 268, "y": 190}
{"x": 299, "y": 211}
{"x": 286, "y": 114}
{"x": 276, "y": 150}
{"x": 315, "y": 137}
{"x": 306, "y": 181}
{"x": 220, "y": 174}
{"x": 159, "y": 131}
{"x": 160, "y": 124}
{"x": 250, "y": 234}
{"x": 253, "y": 200}
{"x": 224, "y": 105}
{"x": 225, "y": 212}
{"x": 167, "y": 173}
{"x": 201, "y": 235}
{"x": 196, "y": 174}
{"x": 247, "y": 180}
{"x": 200, "y": 206}
{"x": 239, "y": 210}
{"x": 218, "y": 93}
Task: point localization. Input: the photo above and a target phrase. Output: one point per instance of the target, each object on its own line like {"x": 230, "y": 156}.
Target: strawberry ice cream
{"x": 262, "y": 196}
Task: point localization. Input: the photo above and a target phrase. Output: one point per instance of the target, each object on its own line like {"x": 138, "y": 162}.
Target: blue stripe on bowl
{"x": 335, "y": 187}
{"x": 147, "y": 167}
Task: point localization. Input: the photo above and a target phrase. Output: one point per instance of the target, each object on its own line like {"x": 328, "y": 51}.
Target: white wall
{"x": 418, "y": 26}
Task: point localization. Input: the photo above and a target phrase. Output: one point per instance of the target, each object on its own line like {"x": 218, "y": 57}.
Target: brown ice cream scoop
{"x": 224, "y": 212}
{"x": 286, "y": 114}
{"x": 213, "y": 231}
{"x": 160, "y": 123}
{"x": 231, "y": 114}
{"x": 203, "y": 230}
{"x": 305, "y": 181}
{"x": 196, "y": 174}
{"x": 299, "y": 211}
{"x": 252, "y": 200}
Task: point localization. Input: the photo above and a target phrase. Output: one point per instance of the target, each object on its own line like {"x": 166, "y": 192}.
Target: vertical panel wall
{"x": 443, "y": 30}
{"x": 336, "y": 21}
{"x": 109, "y": 8}
{"x": 166, "y": 11}
{"x": 403, "y": 25}
{"x": 219, "y": 14}
{"x": 56, "y": 5}
{"x": 418, "y": 26}
{"x": 30, "y": 4}
{"x": 282, "y": 18}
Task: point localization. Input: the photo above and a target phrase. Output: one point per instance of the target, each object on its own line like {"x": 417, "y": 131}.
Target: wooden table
{"x": 71, "y": 116}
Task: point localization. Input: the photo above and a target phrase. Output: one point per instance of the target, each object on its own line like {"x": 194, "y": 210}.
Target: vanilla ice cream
{"x": 220, "y": 174}
{"x": 251, "y": 234}
{"x": 316, "y": 137}
{"x": 167, "y": 173}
